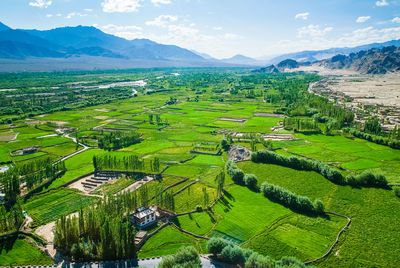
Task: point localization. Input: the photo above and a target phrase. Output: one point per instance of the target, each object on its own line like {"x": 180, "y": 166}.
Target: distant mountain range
{"x": 317, "y": 55}
{"x": 373, "y": 61}
{"x": 88, "y": 48}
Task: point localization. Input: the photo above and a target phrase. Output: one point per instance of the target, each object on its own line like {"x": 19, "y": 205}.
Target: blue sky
{"x": 221, "y": 28}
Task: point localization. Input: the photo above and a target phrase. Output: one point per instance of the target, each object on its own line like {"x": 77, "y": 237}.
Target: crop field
{"x": 182, "y": 127}
{"x": 18, "y": 251}
{"x": 49, "y": 206}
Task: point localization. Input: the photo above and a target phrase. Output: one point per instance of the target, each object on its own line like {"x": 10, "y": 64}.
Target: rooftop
{"x": 143, "y": 212}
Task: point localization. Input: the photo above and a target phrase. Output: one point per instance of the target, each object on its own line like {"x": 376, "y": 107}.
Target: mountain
{"x": 317, "y": 55}
{"x": 203, "y": 55}
{"x": 4, "y": 27}
{"x": 243, "y": 60}
{"x": 269, "y": 69}
{"x": 373, "y": 61}
{"x": 84, "y": 37}
{"x": 81, "y": 37}
{"x": 83, "y": 41}
{"x": 18, "y": 50}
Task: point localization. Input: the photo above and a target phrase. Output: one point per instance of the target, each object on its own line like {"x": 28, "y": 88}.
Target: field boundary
{"x": 337, "y": 237}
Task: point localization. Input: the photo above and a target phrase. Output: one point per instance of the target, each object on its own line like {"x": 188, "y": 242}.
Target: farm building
{"x": 143, "y": 216}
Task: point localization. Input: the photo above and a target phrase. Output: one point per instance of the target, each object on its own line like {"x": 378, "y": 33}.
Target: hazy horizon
{"x": 223, "y": 28}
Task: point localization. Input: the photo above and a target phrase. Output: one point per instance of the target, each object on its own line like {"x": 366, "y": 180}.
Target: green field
{"x": 19, "y": 251}
{"x": 243, "y": 216}
{"x": 48, "y": 207}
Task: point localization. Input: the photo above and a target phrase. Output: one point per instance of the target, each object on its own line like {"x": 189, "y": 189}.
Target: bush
{"x": 216, "y": 245}
{"x": 185, "y": 257}
{"x": 268, "y": 157}
{"x": 368, "y": 179}
{"x": 287, "y": 198}
{"x": 236, "y": 173}
{"x": 319, "y": 206}
{"x": 251, "y": 181}
{"x": 233, "y": 254}
{"x": 258, "y": 261}
{"x": 397, "y": 191}
{"x": 225, "y": 145}
{"x": 291, "y": 262}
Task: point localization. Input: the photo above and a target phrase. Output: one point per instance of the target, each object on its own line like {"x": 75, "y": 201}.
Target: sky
{"x": 220, "y": 28}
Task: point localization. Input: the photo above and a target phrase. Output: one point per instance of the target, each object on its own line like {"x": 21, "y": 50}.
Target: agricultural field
{"x": 180, "y": 129}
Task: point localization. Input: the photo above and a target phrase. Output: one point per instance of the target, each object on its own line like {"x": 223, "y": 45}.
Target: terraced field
{"x": 242, "y": 216}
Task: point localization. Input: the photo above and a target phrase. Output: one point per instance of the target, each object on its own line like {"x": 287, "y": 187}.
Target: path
{"x": 74, "y": 153}
{"x": 136, "y": 185}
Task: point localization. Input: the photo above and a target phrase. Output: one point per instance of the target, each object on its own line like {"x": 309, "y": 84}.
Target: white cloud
{"x": 363, "y": 19}
{"x": 49, "y": 15}
{"x": 368, "y": 35}
{"x": 58, "y": 14}
{"x": 88, "y": 10}
{"x": 40, "y": 3}
{"x": 303, "y": 16}
{"x": 313, "y": 31}
{"x": 112, "y": 27}
{"x": 121, "y": 6}
{"x": 128, "y": 32}
{"x": 381, "y": 3}
{"x": 73, "y": 14}
{"x": 218, "y": 28}
{"x": 158, "y": 3}
{"x": 396, "y": 20}
{"x": 162, "y": 20}
{"x": 231, "y": 36}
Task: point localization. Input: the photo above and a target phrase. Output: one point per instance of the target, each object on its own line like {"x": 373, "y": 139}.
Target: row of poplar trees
{"x": 127, "y": 163}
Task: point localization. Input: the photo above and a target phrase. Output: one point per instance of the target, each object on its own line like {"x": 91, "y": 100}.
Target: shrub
{"x": 290, "y": 262}
{"x": 225, "y": 145}
{"x": 216, "y": 245}
{"x": 185, "y": 257}
{"x": 319, "y": 206}
{"x": 233, "y": 254}
{"x": 251, "y": 181}
{"x": 258, "y": 261}
{"x": 367, "y": 178}
{"x": 287, "y": 198}
{"x": 236, "y": 174}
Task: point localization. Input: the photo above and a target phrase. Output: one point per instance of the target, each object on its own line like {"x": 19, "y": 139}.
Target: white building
{"x": 143, "y": 217}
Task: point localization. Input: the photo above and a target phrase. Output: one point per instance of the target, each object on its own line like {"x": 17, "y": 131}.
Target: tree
{"x": 319, "y": 206}
{"x": 220, "y": 180}
{"x": 258, "y": 261}
{"x": 185, "y": 257}
{"x": 225, "y": 145}
{"x": 215, "y": 245}
{"x": 233, "y": 254}
{"x": 251, "y": 181}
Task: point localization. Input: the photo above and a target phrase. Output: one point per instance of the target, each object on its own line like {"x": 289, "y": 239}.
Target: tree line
{"x": 239, "y": 177}
{"x": 101, "y": 231}
{"x": 367, "y": 178}
{"x": 11, "y": 218}
{"x": 118, "y": 139}
{"x": 126, "y": 163}
{"x": 291, "y": 200}
{"x": 392, "y": 141}
{"x": 27, "y": 103}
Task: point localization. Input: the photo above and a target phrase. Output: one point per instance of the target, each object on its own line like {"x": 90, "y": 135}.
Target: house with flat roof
{"x": 143, "y": 216}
